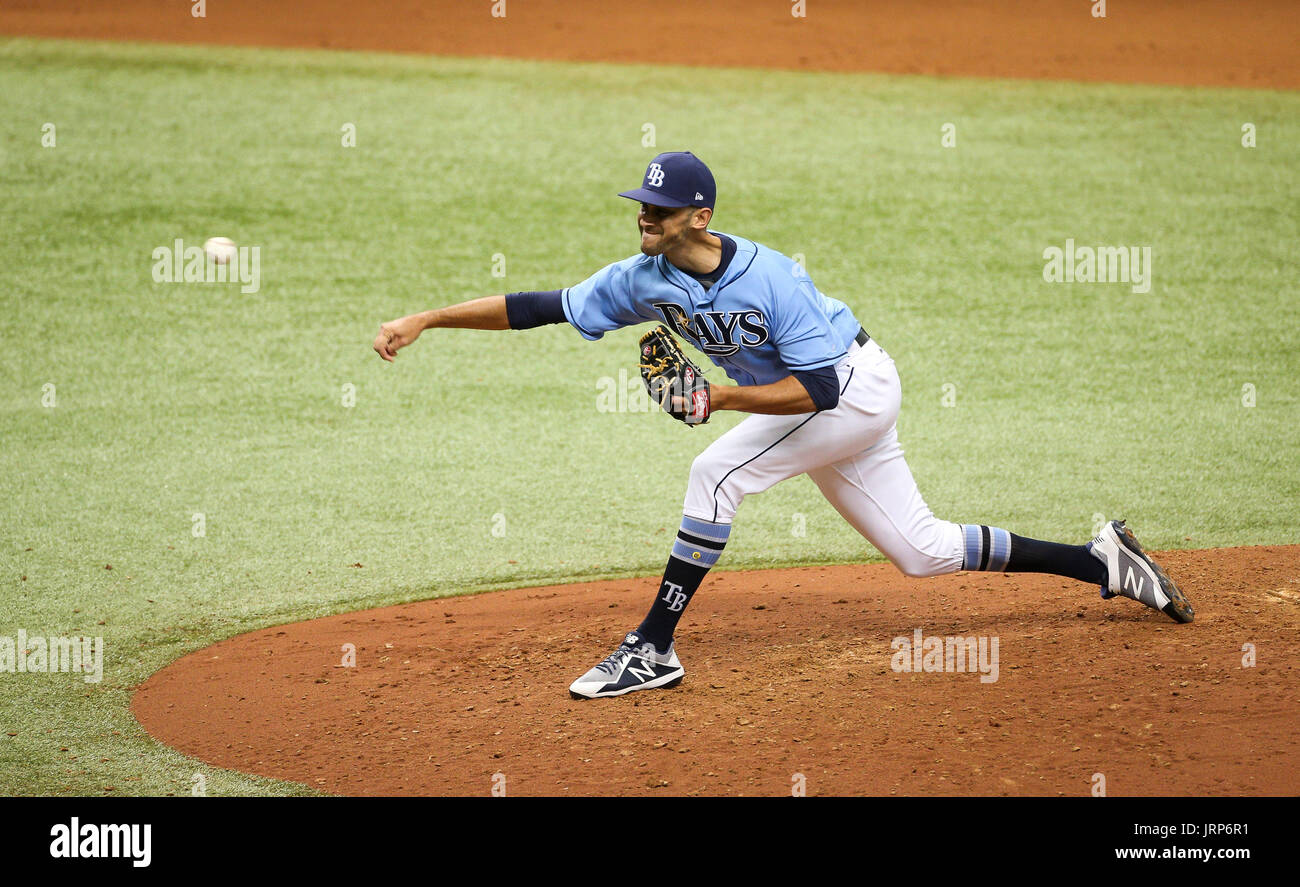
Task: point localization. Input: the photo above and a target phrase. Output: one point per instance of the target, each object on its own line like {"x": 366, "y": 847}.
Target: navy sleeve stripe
{"x": 823, "y": 386}
{"x": 527, "y": 310}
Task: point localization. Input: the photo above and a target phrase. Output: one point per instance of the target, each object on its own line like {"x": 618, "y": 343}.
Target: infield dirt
{"x": 788, "y": 672}
{"x": 1197, "y": 42}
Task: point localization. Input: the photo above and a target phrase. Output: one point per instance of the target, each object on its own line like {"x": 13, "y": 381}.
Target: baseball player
{"x": 823, "y": 398}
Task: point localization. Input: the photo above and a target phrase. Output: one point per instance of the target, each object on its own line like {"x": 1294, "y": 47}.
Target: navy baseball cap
{"x": 675, "y": 178}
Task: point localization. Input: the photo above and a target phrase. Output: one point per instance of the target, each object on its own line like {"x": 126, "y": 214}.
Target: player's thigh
{"x": 754, "y": 455}
{"x": 875, "y": 492}
{"x": 765, "y": 449}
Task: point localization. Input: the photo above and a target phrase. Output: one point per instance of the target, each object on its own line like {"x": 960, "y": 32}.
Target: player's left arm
{"x": 784, "y": 398}
{"x": 803, "y": 338}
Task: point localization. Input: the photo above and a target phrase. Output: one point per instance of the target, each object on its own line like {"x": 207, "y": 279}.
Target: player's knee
{"x": 707, "y": 470}
{"x": 931, "y": 550}
{"x": 919, "y": 565}
{"x": 708, "y": 491}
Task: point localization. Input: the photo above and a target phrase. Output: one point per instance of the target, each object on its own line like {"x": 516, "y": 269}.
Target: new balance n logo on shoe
{"x": 1129, "y": 585}
{"x": 645, "y": 673}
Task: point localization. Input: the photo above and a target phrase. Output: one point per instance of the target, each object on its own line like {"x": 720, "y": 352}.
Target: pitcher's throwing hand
{"x": 398, "y": 334}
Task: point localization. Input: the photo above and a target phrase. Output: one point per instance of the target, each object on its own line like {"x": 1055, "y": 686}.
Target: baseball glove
{"x": 674, "y": 382}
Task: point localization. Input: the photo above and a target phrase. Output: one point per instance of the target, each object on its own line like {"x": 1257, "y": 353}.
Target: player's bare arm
{"x": 487, "y": 313}
{"x": 783, "y": 398}
{"x": 787, "y": 397}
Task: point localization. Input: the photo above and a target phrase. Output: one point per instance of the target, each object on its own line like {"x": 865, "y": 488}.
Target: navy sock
{"x": 697, "y": 548}
{"x": 993, "y": 548}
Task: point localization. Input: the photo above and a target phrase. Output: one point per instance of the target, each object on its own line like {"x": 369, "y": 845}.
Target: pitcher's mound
{"x": 791, "y": 682}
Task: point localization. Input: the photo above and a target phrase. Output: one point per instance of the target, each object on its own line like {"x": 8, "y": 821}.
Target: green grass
{"x": 176, "y": 399}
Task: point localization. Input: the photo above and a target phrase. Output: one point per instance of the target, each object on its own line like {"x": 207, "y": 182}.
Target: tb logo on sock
{"x": 674, "y": 597}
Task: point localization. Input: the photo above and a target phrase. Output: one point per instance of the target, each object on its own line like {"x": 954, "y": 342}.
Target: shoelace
{"x": 615, "y": 659}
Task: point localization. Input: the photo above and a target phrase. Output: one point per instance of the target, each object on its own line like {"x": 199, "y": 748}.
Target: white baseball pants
{"x": 852, "y": 454}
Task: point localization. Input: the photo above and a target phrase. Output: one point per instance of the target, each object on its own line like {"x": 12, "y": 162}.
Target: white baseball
{"x": 219, "y": 249}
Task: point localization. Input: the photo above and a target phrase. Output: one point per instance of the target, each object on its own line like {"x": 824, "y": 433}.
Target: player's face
{"x": 663, "y": 228}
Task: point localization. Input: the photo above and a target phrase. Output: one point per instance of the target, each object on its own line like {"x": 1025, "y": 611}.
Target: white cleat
{"x": 1134, "y": 575}
{"x": 635, "y": 665}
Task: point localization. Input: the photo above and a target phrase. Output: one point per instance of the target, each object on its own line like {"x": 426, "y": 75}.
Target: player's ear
{"x": 700, "y": 218}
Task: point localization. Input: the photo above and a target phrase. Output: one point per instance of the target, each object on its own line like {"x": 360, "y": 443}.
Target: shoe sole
{"x": 649, "y": 685}
{"x": 1179, "y": 608}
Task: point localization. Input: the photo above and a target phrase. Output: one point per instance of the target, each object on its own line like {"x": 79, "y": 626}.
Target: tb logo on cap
{"x": 654, "y": 176}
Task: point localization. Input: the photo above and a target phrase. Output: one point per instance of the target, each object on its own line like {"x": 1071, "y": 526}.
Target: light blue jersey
{"x": 760, "y": 321}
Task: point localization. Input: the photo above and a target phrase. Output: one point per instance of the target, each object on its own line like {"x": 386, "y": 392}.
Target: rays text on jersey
{"x": 716, "y": 332}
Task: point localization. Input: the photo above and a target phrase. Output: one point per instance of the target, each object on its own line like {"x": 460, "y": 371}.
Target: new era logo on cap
{"x": 675, "y": 178}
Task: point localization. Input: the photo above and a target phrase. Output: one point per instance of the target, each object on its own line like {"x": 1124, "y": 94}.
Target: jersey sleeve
{"x": 822, "y": 385}
{"x": 527, "y": 310}
{"x": 803, "y": 334}
{"x": 601, "y": 303}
